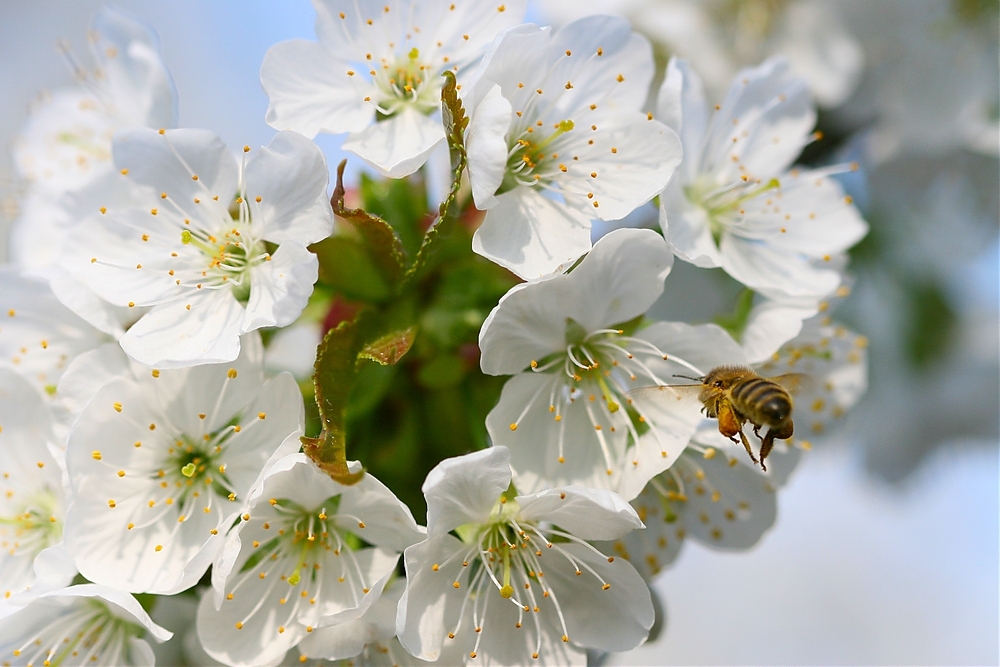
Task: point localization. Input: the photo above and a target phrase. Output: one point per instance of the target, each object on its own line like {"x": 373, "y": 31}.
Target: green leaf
{"x": 455, "y": 122}
{"x": 387, "y": 350}
{"x": 345, "y": 266}
{"x": 336, "y": 361}
{"x": 736, "y": 322}
{"x": 378, "y": 236}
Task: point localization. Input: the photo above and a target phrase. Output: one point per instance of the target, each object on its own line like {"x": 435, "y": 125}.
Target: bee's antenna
{"x": 688, "y": 377}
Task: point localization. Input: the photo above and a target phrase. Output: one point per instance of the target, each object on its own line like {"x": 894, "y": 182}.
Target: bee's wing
{"x": 664, "y": 392}
{"x": 795, "y": 383}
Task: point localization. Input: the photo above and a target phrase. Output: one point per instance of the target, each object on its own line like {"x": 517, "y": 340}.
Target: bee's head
{"x": 724, "y": 377}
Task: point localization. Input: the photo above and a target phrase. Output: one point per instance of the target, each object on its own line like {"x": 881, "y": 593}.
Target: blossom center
{"x": 533, "y": 158}
{"x": 406, "y": 82}
{"x": 34, "y": 525}
{"x": 230, "y": 256}
{"x": 191, "y": 465}
{"x": 508, "y": 554}
{"x": 306, "y": 540}
{"x": 92, "y": 628}
{"x": 724, "y": 205}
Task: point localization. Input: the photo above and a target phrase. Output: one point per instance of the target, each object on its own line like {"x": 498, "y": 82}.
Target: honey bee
{"x": 735, "y": 395}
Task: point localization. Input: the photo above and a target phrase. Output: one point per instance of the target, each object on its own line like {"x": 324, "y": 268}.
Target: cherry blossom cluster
{"x": 151, "y": 449}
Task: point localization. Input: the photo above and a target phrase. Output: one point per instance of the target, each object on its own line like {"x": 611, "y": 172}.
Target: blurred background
{"x": 886, "y": 546}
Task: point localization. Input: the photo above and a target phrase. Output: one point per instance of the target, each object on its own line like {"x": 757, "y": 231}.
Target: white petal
{"x": 486, "y": 146}
{"x": 257, "y": 641}
{"x": 84, "y": 376}
{"x": 29, "y": 479}
{"x": 388, "y": 522}
{"x": 430, "y": 606}
{"x": 620, "y": 166}
{"x": 168, "y": 162}
{"x": 686, "y": 227}
{"x": 775, "y": 111}
{"x": 656, "y": 450}
{"x": 107, "y": 553}
{"x": 530, "y": 320}
{"x": 815, "y": 218}
{"x": 590, "y": 514}
{"x": 771, "y": 324}
{"x": 654, "y": 548}
{"x": 172, "y": 336}
{"x": 464, "y": 489}
{"x": 129, "y": 55}
{"x": 336, "y": 607}
{"x": 106, "y": 254}
{"x": 464, "y": 28}
{"x": 704, "y": 346}
{"x": 39, "y": 335}
{"x": 310, "y": 91}
{"x": 503, "y": 644}
{"x": 742, "y": 512}
{"x": 626, "y": 609}
{"x": 44, "y": 157}
{"x": 123, "y": 604}
{"x": 264, "y": 441}
{"x": 348, "y": 639}
{"x": 515, "y": 52}
{"x": 399, "y": 145}
{"x": 280, "y": 288}
{"x": 85, "y": 303}
{"x": 54, "y": 566}
{"x": 532, "y": 235}
{"x": 42, "y": 218}
{"x": 182, "y": 394}
{"x": 682, "y": 107}
{"x": 774, "y": 272}
{"x": 540, "y": 440}
{"x": 290, "y": 176}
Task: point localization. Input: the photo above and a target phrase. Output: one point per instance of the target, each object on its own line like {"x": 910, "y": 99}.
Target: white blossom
{"x": 64, "y": 150}
{"x": 79, "y": 625}
{"x": 522, "y": 586}
{"x": 572, "y": 344}
{"x": 834, "y": 360}
{"x": 296, "y": 562}
{"x": 713, "y": 493}
{"x": 719, "y": 37}
{"x": 39, "y": 336}
{"x": 371, "y": 637}
{"x": 557, "y": 138}
{"x": 66, "y": 142}
{"x": 197, "y": 250}
{"x": 158, "y": 459}
{"x": 375, "y": 73}
{"x": 734, "y": 204}
{"x": 32, "y": 500}
{"x": 727, "y": 507}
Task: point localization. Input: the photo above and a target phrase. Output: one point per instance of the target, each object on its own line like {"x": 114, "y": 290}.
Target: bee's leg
{"x": 730, "y": 425}
{"x": 746, "y": 443}
{"x": 781, "y": 433}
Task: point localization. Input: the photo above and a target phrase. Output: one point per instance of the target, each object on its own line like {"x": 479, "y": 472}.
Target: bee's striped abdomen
{"x": 760, "y": 397}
